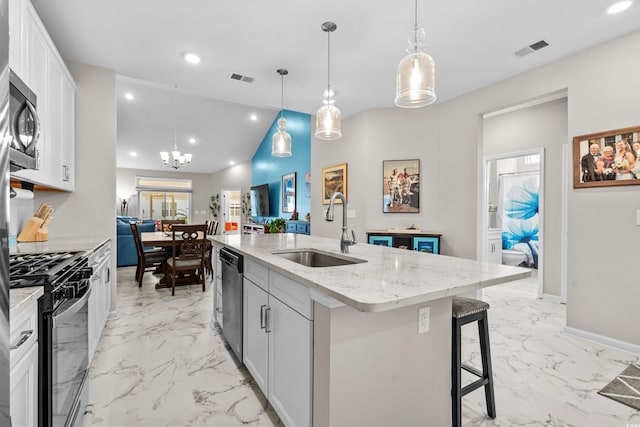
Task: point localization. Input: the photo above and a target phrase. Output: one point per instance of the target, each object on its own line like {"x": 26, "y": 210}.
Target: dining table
{"x": 162, "y": 239}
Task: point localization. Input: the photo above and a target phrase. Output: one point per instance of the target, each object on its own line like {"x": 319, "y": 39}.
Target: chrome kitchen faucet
{"x": 345, "y": 240}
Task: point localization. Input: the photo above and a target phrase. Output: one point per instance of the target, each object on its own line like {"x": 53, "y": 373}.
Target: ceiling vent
{"x": 532, "y": 48}
{"x": 240, "y": 77}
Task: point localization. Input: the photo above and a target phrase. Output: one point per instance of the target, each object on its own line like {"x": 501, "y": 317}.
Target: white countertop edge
{"x": 21, "y": 298}
{"x": 58, "y": 245}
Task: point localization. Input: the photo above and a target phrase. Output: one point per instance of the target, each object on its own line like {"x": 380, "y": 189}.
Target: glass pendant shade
{"x": 165, "y": 157}
{"x": 415, "y": 81}
{"x": 281, "y": 141}
{"x": 328, "y": 123}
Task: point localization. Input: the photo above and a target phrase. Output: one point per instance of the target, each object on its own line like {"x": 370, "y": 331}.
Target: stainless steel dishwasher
{"x": 232, "y": 300}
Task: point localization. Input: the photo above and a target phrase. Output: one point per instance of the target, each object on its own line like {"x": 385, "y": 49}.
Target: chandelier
{"x": 178, "y": 159}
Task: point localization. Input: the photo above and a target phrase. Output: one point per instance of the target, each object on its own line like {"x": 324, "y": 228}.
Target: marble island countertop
{"x": 22, "y": 298}
{"x": 390, "y": 278}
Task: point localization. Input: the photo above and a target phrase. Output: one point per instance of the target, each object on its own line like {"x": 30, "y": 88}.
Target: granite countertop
{"x": 57, "y": 245}
{"x": 391, "y": 278}
{"x": 21, "y": 298}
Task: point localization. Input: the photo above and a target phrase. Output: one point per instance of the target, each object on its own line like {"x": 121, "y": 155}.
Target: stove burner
{"x": 28, "y": 269}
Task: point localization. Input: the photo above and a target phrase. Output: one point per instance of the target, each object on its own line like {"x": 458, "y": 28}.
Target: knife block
{"x": 33, "y": 231}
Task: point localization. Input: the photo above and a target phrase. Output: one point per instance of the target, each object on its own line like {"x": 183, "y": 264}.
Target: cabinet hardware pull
{"x": 262, "y": 320}
{"x": 266, "y": 320}
{"x": 24, "y": 336}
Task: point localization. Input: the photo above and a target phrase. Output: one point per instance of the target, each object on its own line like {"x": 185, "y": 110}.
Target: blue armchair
{"x": 126, "y": 247}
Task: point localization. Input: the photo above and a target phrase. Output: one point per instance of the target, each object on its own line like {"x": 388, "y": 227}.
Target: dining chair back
{"x": 168, "y": 223}
{"x": 147, "y": 258}
{"x": 188, "y": 250}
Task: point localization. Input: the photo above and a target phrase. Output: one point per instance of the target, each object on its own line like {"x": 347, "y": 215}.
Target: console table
{"x": 300, "y": 227}
{"x": 417, "y": 240}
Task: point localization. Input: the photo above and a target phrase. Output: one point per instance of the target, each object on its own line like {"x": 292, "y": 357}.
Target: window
{"x": 163, "y": 198}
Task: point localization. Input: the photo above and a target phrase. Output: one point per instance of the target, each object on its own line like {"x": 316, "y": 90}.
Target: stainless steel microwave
{"x": 24, "y": 126}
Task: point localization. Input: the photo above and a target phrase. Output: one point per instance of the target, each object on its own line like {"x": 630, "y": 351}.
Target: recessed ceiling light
{"x": 192, "y": 140}
{"x": 232, "y": 163}
{"x": 128, "y": 96}
{"x": 192, "y": 58}
{"x": 253, "y": 117}
{"x": 619, "y": 7}
{"x": 133, "y": 154}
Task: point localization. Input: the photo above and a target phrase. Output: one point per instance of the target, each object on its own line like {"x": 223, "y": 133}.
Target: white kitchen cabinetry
{"x": 278, "y": 342}
{"x": 100, "y": 296}
{"x": 35, "y": 59}
{"x": 494, "y": 246}
{"x": 24, "y": 367}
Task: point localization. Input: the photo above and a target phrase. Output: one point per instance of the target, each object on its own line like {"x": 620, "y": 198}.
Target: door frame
{"x": 485, "y": 206}
{"x": 224, "y": 209}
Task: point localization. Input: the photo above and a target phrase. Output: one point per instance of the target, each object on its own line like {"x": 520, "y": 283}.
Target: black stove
{"x": 63, "y": 330}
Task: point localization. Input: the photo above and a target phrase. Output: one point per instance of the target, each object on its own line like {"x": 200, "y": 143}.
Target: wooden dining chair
{"x": 188, "y": 250}
{"x": 168, "y": 223}
{"x": 212, "y": 228}
{"x": 150, "y": 257}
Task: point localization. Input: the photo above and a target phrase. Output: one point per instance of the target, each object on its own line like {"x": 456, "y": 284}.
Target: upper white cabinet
{"x": 35, "y": 59}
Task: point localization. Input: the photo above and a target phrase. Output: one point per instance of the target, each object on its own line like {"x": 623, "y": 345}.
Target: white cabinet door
{"x": 24, "y": 390}
{"x": 290, "y": 363}
{"x": 494, "y": 251}
{"x": 54, "y": 123}
{"x": 16, "y": 47}
{"x": 67, "y": 151}
{"x": 255, "y": 340}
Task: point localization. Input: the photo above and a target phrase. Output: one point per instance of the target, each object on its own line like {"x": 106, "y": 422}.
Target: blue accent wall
{"x": 266, "y": 168}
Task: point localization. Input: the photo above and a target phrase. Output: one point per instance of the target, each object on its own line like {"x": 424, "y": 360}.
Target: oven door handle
{"x": 70, "y": 311}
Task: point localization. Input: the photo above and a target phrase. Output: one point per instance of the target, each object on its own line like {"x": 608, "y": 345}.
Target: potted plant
{"x": 277, "y": 225}
{"x": 214, "y": 205}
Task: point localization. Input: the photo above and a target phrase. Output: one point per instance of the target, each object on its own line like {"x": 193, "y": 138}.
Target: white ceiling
{"x": 472, "y": 42}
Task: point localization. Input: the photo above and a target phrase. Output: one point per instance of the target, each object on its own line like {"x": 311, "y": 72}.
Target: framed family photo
{"x": 607, "y": 159}
{"x": 289, "y": 192}
{"x": 334, "y": 178}
{"x": 401, "y": 186}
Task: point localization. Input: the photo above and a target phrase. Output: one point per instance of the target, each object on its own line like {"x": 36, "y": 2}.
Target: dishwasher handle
{"x": 232, "y": 259}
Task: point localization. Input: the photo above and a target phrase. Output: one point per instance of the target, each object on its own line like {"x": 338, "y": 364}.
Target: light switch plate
{"x": 424, "y": 320}
{"x": 351, "y": 213}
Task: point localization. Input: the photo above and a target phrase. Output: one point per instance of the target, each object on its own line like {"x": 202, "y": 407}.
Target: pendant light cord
{"x": 281, "y": 95}
{"x": 329, "y": 67}
{"x": 175, "y": 144}
{"x": 415, "y": 28}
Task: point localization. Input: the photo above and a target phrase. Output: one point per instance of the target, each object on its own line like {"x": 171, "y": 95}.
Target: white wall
{"x": 543, "y": 125}
{"x": 603, "y": 85}
{"x": 88, "y": 211}
{"x": 126, "y": 184}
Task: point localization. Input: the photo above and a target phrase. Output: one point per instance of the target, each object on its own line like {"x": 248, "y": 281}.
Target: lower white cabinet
{"x": 23, "y": 375}
{"x": 278, "y": 346}
{"x": 100, "y": 296}
{"x": 494, "y": 246}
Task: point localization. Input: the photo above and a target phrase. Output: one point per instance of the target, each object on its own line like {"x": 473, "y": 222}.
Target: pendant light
{"x": 328, "y": 116}
{"x": 178, "y": 158}
{"x": 281, "y": 141}
{"x": 415, "y": 80}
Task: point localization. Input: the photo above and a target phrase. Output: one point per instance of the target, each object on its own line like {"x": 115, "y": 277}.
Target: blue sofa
{"x": 126, "y": 248}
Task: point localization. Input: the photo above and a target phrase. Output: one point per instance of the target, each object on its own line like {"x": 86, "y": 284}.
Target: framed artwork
{"x": 334, "y": 178}
{"x": 381, "y": 240}
{"x": 607, "y": 159}
{"x": 289, "y": 192}
{"x": 401, "y": 186}
{"x": 426, "y": 244}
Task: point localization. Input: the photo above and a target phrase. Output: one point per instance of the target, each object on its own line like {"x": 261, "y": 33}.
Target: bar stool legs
{"x": 464, "y": 311}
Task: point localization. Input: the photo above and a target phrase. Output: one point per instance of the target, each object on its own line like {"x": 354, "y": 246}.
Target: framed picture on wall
{"x": 401, "y": 186}
{"x": 289, "y": 192}
{"x": 607, "y": 159}
{"x": 334, "y": 178}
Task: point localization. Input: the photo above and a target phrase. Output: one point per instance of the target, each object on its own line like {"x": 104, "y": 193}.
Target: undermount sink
{"x": 316, "y": 258}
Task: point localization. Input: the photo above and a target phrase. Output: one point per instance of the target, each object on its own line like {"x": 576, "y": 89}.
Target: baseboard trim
{"x": 112, "y": 315}
{"x": 552, "y": 298}
{"x": 601, "y": 339}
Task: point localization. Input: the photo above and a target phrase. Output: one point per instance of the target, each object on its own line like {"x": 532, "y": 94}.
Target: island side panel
{"x": 374, "y": 369}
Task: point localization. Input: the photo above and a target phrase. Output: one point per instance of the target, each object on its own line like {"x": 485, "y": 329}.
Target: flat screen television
{"x": 260, "y": 200}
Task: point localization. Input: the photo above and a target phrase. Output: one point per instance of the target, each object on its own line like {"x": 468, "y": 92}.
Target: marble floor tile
{"x": 161, "y": 363}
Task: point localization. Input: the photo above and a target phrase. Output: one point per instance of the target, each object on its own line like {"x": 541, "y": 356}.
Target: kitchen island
{"x": 370, "y": 364}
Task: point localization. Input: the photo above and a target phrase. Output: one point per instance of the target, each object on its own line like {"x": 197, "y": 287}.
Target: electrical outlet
{"x": 638, "y": 217}
{"x": 423, "y": 320}
{"x": 351, "y": 213}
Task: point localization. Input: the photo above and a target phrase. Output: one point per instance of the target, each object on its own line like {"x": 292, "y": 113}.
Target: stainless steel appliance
{"x": 24, "y": 125}
{"x": 232, "y": 265}
{"x": 4, "y": 215}
{"x": 63, "y": 327}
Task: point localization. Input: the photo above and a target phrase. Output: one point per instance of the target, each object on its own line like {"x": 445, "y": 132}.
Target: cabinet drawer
{"x": 291, "y": 227}
{"x": 257, "y": 273}
{"x": 291, "y": 293}
{"x": 302, "y": 228}
{"x": 24, "y": 333}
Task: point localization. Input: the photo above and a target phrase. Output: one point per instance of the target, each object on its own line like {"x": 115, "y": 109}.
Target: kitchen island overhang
{"x": 371, "y": 366}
